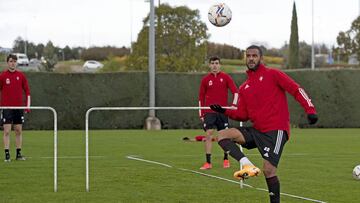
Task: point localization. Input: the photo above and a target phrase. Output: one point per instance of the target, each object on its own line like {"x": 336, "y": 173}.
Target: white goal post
{"x": 123, "y": 109}
{"x": 55, "y": 133}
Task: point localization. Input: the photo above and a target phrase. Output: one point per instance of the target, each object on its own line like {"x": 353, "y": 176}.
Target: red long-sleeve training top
{"x": 214, "y": 90}
{"x": 12, "y": 87}
{"x": 262, "y": 100}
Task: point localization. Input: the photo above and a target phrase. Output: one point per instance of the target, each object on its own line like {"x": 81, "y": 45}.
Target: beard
{"x": 254, "y": 68}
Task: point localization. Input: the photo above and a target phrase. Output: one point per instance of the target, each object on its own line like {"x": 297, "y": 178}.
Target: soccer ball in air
{"x": 356, "y": 172}
{"x": 219, "y": 15}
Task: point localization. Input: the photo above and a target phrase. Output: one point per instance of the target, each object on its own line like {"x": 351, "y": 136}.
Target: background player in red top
{"x": 214, "y": 90}
{"x": 13, "y": 84}
{"x": 262, "y": 100}
{"x": 198, "y": 138}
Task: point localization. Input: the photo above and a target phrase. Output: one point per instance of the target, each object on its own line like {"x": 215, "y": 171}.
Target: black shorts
{"x": 270, "y": 144}
{"x": 215, "y": 120}
{"x": 12, "y": 116}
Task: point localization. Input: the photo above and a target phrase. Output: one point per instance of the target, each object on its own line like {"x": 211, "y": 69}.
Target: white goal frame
{"x": 124, "y": 109}
{"x": 55, "y": 133}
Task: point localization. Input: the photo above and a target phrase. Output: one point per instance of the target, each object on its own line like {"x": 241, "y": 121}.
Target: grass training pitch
{"x": 157, "y": 166}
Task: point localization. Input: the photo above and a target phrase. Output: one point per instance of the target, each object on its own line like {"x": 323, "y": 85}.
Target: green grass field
{"x": 316, "y": 164}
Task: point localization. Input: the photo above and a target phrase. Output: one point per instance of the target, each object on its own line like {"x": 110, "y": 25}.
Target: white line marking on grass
{"x": 221, "y": 178}
{"x": 148, "y": 161}
{"x": 212, "y": 176}
{"x": 247, "y": 185}
{"x": 288, "y": 154}
{"x": 248, "y": 154}
{"x": 70, "y": 157}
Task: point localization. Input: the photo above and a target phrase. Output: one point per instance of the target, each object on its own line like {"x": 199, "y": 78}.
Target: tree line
{"x": 50, "y": 51}
{"x": 182, "y": 45}
{"x": 349, "y": 41}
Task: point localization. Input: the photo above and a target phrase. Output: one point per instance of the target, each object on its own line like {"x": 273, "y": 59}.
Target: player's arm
{"x": 299, "y": 94}
{"x": 202, "y": 92}
{"x": 1, "y": 81}
{"x": 239, "y": 114}
{"x": 1, "y": 86}
{"x": 27, "y": 93}
{"x": 234, "y": 91}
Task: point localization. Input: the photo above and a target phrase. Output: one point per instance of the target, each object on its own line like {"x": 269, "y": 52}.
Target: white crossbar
{"x": 55, "y": 133}
{"x": 123, "y": 109}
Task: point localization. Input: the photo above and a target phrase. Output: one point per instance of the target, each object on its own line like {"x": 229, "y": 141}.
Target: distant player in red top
{"x": 262, "y": 100}
{"x": 13, "y": 85}
{"x": 198, "y": 138}
{"x": 214, "y": 90}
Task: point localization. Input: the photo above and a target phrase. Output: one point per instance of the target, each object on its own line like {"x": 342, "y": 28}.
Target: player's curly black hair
{"x": 255, "y": 47}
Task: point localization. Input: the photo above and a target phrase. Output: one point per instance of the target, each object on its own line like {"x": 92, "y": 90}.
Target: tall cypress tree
{"x": 294, "y": 41}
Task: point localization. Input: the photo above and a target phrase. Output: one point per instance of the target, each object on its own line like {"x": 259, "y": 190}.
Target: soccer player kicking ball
{"x": 262, "y": 100}
{"x": 13, "y": 85}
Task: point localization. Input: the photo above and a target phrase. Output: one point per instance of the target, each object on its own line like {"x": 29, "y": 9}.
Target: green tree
{"x": 274, "y": 52}
{"x": 304, "y": 55}
{"x": 180, "y": 41}
{"x": 322, "y": 48}
{"x": 19, "y": 45}
{"x": 39, "y": 50}
{"x": 67, "y": 53}
{"x": 31, "y": 50}
{"x": 349, "y": 41}
{"x": 103, "y": 53}
{"x": 76, "y": 52}
{"x": 49, "y": 50}
{"x": 294, "y": 42}
{"x": 223, "y": 51}
{"x": 50, "y": 57}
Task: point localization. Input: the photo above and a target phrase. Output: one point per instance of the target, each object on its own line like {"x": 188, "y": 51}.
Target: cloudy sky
{"x": 117, "y": 22}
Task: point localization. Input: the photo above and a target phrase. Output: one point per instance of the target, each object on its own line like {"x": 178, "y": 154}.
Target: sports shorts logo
{"x": 267, "y": 149}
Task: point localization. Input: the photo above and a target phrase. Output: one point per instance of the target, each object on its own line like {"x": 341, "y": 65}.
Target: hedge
{"x": 335, "y": 94}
